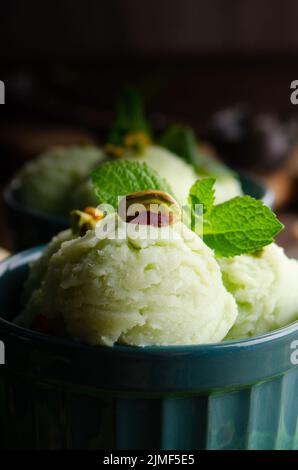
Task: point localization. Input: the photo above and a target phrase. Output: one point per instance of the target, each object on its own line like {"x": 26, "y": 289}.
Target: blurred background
{"x": 224, "y": 67}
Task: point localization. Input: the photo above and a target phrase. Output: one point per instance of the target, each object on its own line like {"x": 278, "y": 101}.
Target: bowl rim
{"x": 22, "y": 258}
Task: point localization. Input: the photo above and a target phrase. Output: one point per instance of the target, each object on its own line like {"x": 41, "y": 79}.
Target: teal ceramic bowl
{"x": 60, "y": 394}
{"x": 31, "y": 228}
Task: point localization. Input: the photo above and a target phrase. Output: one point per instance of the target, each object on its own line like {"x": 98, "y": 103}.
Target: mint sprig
{"x": 182, "y": 141}
{"x": 121, "y": 177}
{"x": 130, "y": 118}
{"x": 240, "y": 225}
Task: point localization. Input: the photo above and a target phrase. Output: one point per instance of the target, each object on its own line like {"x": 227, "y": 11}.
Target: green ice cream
{"x": 182, "y": 141}
{"x": 265, "y": 288}
{"x": 135, "y": 289}
{"x": 32, "y": 292}
{"x": 58, "y": 180}
{"x": 179, "y": 174}
{"x": 48, "y": 181}
{"x": 153, "y": 281}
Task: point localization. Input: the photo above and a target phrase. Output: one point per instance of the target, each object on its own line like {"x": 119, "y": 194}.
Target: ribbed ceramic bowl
{"x": 57, "y": 393}
{"x": 33, "y": 228}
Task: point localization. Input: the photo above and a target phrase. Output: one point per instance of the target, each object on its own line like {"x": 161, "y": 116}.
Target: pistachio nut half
{"x": 151, "y": 207}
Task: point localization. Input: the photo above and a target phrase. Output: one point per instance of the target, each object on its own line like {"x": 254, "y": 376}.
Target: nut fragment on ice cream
{"x": 48, "y": 181}
{"x": 136, "y": 289}
{"x": 265, "y": 288}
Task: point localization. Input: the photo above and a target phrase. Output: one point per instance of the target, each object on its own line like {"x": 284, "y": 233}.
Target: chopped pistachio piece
{"x": 137, "y": 141}
{"x": 82, "y": 221}
{"x": 114, "y": 150}
{"x": 134, "y": 141}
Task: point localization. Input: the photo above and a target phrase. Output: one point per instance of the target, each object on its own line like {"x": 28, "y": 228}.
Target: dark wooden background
{"x": 96, "y": 29}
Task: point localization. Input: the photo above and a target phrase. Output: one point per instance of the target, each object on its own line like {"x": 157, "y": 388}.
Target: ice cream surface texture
{"x": 265, "y": 288}
{"x": 39, "y": 268}
{"x": 135, "y": 289}
{"x": 227, "y": 187}
{"x": 32, "y": 291}
{"x": 48, "y": 181}
{"x": 179, "y": 174}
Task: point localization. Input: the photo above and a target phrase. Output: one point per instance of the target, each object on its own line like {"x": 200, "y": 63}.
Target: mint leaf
{"x": 129, "y": 119}
{"x": 182, "y": 141}
{"x": 203, "y": 192}
{"x": 120, "y": 177}
{"x": 240, "y": 225}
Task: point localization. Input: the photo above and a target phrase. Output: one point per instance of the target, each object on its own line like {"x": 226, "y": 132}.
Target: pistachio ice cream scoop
{"x": 181, "y": 175}
{"x": 31, "y": 296}
{"x": 265, "y": 288}
{"x": 177, "y": 172}
{"x": 149, "y": 285}
{"x": 59, "y": 180}
{"x": 48, "y": 181}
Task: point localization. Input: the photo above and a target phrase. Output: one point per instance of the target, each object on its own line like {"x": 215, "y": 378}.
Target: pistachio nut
{"x": 82, "y": 221}
{"x": 114, "y": 150}
{"x": 134, "y": 141}
{"x": 151, "y": 207}
{"x": 137, "y": 141}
